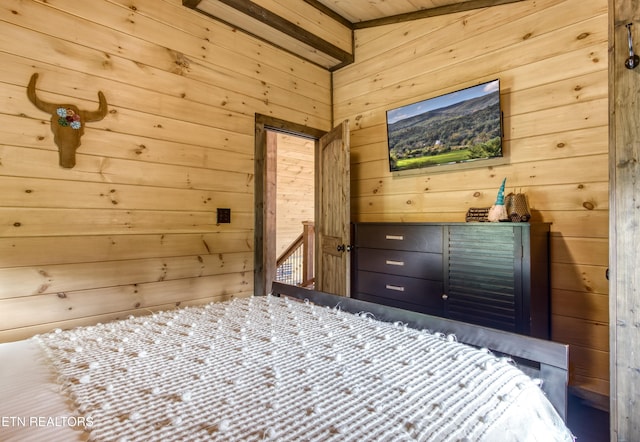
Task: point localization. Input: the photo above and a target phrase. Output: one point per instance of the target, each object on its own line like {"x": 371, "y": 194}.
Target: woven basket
{"x": 517, "y": 207}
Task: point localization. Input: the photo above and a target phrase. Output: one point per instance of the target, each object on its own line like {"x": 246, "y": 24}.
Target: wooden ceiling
{"x": 368, "y": 13}
{"x": 321, "y": 31}
{"x": 366, "y": 10}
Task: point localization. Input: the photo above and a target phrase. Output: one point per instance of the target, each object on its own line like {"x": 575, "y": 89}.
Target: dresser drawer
{"x": 410, "y": 290}
{"x": 400, "y": 237}
{"x": 403, "y": 263}
{"x": 430, "y": 309}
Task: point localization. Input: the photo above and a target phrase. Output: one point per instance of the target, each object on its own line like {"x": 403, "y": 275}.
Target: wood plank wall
{"x": 551, "y": 58}
{"x": 132, "y": 227}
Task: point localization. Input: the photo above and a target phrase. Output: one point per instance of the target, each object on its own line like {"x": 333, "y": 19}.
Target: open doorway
{"x": 331, "y": 204}
{"x": 271, "y": 136}
{"x": 295, "y": 183}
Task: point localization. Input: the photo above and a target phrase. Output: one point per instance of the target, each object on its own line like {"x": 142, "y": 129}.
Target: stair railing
{"x": 295, "y": 265}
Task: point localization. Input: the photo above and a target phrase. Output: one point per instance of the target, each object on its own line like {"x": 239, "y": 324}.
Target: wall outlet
{"x": 224, "y": 216}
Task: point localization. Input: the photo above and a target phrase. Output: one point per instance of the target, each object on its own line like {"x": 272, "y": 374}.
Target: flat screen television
{"x": 458, "y": 127}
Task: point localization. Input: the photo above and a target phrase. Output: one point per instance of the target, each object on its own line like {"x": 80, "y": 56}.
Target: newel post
{"x": 308, "y": 234}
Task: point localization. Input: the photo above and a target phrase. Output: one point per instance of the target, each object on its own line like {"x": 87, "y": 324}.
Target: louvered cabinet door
{"x": 485, "y": 276}
{"x": 497, "y": 276}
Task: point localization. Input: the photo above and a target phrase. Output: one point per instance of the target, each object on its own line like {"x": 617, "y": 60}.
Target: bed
{"x": 298, "y": 365}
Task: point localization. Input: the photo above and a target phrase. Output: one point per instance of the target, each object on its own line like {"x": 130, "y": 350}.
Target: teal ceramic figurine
{"x": 498, "y": 212}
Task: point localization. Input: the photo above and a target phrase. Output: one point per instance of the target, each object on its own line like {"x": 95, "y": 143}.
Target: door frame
{"x": 264, "y": 256}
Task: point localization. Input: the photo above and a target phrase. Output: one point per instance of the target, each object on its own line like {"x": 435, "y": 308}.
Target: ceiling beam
{"x": 432, "y": 12}
{"x": 268, "y": 26}
{"x": 329, "y": 12}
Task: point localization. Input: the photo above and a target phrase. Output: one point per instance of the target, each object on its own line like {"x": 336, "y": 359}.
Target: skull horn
{"x": 99, "y": 114}
{"x": 31, "y": 93}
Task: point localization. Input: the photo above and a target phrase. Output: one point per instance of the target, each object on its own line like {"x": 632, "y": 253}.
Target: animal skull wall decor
{"x": 67, "y": 122}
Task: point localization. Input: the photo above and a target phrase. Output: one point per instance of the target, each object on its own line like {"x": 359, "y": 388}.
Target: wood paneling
{"x": 82, "y": 303}
{"x": 25, "y": 251}
{"x": 551, "y": 58}
{"x": 23, "y": 282}
{"x": 132, "y": 227}
{"x": 101, "y": 305}
{"x": 579, "y": 304}
{"x": 399, "y": 10}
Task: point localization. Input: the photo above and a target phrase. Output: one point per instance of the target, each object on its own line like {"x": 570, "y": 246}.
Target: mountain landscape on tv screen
{"x": 464, "y": 131}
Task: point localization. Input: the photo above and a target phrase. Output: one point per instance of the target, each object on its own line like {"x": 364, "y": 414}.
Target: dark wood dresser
{"x": 491, "y": 274}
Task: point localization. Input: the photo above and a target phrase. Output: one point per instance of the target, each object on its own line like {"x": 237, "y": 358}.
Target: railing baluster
{"x": 295, "y": 266}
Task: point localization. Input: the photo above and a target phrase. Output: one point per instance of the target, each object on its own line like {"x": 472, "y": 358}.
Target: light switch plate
{"x": 224, "y": 216}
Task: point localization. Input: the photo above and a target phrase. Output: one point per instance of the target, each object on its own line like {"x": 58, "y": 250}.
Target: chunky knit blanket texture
{"x": 269, "y": 368}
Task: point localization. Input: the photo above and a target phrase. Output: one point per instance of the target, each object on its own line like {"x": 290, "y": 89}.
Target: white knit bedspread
{"x": 268, "y": 368}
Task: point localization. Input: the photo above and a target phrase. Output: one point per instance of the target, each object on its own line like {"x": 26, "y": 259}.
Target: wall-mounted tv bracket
{"x": 633, "y": 59}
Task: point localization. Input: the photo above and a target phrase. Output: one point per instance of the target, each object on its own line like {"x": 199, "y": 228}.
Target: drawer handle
{"x": 394, "y": 263}
{"x": 395, "y": 237}
{"x": 396, "y": 288}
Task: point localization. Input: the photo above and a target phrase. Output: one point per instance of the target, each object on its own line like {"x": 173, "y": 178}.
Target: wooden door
{"x": 332, "y": 211}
